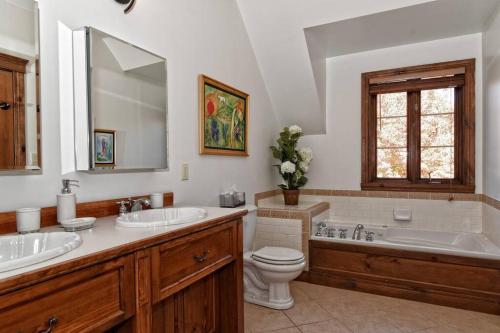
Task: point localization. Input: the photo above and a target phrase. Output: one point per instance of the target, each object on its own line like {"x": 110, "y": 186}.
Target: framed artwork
{"x": 223, "y": 119}
{"x": 105, "y": 143}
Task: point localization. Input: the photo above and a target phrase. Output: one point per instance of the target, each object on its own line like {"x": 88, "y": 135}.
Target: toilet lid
{"x": 279, "y": 255}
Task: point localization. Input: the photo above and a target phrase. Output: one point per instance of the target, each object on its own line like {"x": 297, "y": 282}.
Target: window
{"x": 418, "y": 128}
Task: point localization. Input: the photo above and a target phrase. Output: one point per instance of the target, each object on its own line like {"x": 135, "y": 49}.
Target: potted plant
{"x": 294, "y": 163}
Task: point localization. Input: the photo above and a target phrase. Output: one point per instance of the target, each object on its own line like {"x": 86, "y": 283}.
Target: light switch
{"x": 185, "y": 171}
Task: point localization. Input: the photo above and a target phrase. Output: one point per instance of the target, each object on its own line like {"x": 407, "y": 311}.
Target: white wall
{"x": 196, "y": 36}
{"x": 276, "y": 29}
{"x": 491, "y": 53}
{"x": 337, "y": 161}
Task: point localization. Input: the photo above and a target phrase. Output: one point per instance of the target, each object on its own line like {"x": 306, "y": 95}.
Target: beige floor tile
{"x": 407, "y": 323}
{"x": 350, "y": 308}
{"x": 330, "y": 326}
{"x": 330, "y": 310}
{"x": 371, "y": 324}
{"x": 314, "y": 291}
{"x": 448, "y": 329}
{"x": 298, "y": 294}
{"x": 261, "y": 319}
{"x": 287, "y": 330}
{"x": 306, "y": 313}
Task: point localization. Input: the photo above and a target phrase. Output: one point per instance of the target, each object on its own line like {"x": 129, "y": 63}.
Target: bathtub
{"x": 451, "y": 243}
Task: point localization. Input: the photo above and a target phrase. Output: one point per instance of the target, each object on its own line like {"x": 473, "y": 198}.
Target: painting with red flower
{"x": 223, "y": 119}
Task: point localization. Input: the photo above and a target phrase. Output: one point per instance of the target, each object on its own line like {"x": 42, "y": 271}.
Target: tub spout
{"x": 357, "y": 232}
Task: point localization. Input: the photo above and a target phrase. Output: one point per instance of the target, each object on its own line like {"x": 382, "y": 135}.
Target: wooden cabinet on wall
{"x": 192, "y": 283}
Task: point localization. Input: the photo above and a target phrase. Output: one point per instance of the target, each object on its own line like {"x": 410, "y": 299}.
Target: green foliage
{"x": 286, "y": 151}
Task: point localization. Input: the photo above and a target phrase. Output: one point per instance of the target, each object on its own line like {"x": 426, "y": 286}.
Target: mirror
{"x": 120, "y": 104}
{"x": 19, "y": 86}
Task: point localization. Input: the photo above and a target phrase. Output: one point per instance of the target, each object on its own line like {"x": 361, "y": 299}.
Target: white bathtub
{"x": 452, "y": 243}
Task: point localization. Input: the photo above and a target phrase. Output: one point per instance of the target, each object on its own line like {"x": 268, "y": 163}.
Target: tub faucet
{"x": 357, "y": 232}
{"x": 321, "y": 228}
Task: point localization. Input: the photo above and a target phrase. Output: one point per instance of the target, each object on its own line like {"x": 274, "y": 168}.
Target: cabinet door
{"x": 192, "y": 310}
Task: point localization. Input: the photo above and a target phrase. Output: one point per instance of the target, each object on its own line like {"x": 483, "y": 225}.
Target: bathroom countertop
{"x": 106, "y": 240}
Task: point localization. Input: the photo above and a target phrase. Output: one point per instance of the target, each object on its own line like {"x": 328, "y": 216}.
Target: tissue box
{"x": 231, "y": 200}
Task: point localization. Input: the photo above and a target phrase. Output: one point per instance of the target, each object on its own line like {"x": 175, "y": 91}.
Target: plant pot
{"x": 291, "y": 197}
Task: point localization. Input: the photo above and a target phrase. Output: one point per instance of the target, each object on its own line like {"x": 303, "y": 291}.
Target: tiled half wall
{"x": 287, "y": 226}
{"x": 431, "y": 211}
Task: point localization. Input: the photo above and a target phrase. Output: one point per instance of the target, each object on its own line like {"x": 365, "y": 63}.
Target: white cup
{"x": 156, "y": 200}
{"x": 28, "y": 220}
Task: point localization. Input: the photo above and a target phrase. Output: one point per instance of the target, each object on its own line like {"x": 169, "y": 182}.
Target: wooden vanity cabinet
{"x": 198, "y": 283}
{"x": 191, "y": 282}
{"x": 93, "y": 299}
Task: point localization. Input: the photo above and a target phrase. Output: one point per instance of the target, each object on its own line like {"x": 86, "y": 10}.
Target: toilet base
{"x": 262, "y": 298}
{"x": 268, "y": 284}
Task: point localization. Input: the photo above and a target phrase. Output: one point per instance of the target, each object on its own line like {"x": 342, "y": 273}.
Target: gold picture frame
{"x": 223, "y": 118}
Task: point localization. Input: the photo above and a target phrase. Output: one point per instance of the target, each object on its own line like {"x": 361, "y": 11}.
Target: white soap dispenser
{"x": 66, "y": 201}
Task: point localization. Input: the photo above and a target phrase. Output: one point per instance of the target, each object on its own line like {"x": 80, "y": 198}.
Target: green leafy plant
{"x": 294, "y": 161}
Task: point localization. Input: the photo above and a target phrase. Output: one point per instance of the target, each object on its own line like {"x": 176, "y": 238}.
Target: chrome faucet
{"x": 357, "y": 232}
{"x": 321, "y": 229}
{"x": 123, "y": 207}
{"x": 137, "y": 205}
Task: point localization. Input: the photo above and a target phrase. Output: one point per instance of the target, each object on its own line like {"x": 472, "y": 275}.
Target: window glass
{"x": 392, "y": 135}
{"x": 437, "y": 133}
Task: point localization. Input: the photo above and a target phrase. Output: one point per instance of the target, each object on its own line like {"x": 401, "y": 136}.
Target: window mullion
{"x": 413, "y": 136}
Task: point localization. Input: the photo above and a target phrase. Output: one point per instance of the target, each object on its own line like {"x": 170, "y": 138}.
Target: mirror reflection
{"x": 127, "y": 105}
{"x": 19, "y": 86}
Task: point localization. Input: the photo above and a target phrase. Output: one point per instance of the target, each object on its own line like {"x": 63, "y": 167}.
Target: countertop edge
{"x": 42, "y": 274}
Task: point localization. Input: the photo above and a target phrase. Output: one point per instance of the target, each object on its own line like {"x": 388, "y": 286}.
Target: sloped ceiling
{"x": 292, "y": 39}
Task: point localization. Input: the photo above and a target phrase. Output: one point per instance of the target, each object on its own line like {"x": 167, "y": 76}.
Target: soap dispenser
{"x": 66, "y": 201}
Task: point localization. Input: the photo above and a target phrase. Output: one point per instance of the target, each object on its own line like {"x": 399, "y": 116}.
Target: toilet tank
{"x": 249, "y": 226}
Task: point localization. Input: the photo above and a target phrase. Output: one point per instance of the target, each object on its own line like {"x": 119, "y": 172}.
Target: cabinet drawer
{"x": 90, "y": 300}
{"x": 179, "y": 263}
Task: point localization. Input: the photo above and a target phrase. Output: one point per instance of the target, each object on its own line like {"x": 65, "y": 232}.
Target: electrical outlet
{"x": 185, "y": 171}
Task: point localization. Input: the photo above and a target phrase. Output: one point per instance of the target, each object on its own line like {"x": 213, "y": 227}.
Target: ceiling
{"x": 414, "y": 24}
{"x": 292, "y": 38}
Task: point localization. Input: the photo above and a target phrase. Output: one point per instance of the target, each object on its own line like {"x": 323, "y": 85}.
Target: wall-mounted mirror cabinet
{"x": 19, "y": 87}
{"x": 120, "y": 104}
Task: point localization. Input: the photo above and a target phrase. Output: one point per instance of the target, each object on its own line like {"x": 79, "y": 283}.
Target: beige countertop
{"x": 106, "y": 236}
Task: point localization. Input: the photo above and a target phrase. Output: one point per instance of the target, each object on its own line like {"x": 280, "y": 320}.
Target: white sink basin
{"x": 23, "y": 250}
{"x": 161, "y": 217}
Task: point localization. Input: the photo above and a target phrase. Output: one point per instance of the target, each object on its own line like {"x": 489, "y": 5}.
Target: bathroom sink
{"x": 161, "y": 217}
{"x": 23, "y": 250}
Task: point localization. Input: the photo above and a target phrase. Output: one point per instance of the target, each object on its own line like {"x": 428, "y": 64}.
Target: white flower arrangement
{"x": 306, "y": 154}
{"x": 304, "y": 166}
{"x": 294, "y": 163}
{"x": 294, "y": 129}
{"x": 287, "y": 167}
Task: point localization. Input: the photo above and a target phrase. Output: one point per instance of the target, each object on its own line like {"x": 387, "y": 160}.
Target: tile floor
{"x": 330, "y": 310}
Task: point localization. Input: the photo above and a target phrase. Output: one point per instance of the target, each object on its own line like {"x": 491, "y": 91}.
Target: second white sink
{"x": 161, "y": 217}
{"x": 23, "y": 250}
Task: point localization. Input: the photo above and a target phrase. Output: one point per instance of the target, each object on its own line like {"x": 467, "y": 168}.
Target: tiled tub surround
{"x": 491, "y": 223}
{"x": 439, "y": 215}
{"x": 287, "y": 226}
{"x": 430, "y": 211}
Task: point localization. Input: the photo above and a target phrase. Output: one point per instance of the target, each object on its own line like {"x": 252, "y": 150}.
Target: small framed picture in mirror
{"x": 105, "y": 143}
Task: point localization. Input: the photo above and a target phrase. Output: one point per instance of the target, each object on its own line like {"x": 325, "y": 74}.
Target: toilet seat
{"x": 278, "y": 256}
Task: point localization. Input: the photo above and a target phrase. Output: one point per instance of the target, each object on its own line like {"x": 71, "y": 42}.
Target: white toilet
{"x": 268, "y": 271}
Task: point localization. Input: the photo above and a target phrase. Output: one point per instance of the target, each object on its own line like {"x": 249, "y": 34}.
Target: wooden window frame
{"x": 409, "y": 79}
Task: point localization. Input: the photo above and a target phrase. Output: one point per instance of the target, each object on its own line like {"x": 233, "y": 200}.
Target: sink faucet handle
{"x": 122, "y": 210}
{"x": 343, "y": 233}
